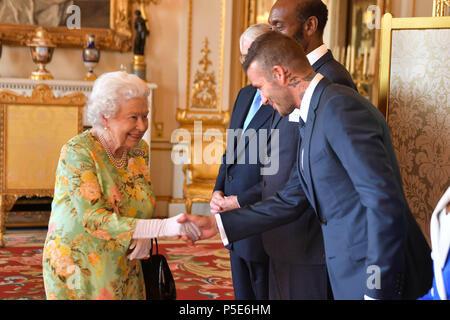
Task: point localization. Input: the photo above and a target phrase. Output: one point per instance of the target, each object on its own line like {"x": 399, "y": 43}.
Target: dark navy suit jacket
{"x": 333, "y": 70}
{"x": 301, "y": 241}
{"x": 243, "y": 173}
{"x": 351, "y": 178}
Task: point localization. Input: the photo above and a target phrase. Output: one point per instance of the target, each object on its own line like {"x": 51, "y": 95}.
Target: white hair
{"x": 110, "y": 91}
{"x": 254, "y": 32}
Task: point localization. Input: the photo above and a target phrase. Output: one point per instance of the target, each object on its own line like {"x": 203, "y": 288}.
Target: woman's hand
{"x": 141, "y": 248}
{"x": 165, "y": 228}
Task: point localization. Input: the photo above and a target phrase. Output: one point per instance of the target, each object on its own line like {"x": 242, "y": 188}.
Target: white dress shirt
{"x": 312, "y": 57}
{"x": 316, "y": 54}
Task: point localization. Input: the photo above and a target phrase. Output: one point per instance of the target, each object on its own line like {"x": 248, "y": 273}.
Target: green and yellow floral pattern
{"x": 94, "y": 214}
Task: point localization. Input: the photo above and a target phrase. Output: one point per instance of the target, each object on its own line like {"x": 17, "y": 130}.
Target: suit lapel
{"x": 276, "y": 118}
{"x": 306, "y": 141}
{"x": 260, "y": 117}
{"x": 247, "y": 100}
{"x": 324, "y": 59}
{"x": 239, "y": 114}
{"x": 263, "y": 114}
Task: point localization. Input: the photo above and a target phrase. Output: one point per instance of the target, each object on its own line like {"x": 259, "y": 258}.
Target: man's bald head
{"x": 303, "y": 20}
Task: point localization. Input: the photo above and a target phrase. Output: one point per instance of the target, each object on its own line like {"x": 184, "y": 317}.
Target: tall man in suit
{"x": 249, "y": 262}
{"x": 305, "y": 21}
{"x": 346, "y": 170}
{"x": 297, "y": 268}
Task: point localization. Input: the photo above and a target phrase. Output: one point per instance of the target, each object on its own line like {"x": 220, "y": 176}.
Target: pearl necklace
{"x": 118, "y": 163}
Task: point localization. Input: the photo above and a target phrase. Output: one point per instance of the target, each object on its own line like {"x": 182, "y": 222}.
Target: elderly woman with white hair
{"x": 100, "y": 224}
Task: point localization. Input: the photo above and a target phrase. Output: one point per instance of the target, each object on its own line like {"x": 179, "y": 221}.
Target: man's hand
{"x": 219, "y": 203}
{"x": 229, "y": 203}
{"x": 216, "y": 199}
{"x": 207, "y": 226}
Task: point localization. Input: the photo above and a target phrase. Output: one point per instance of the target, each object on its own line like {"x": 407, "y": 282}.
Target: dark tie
{"x": 301, "y": 127}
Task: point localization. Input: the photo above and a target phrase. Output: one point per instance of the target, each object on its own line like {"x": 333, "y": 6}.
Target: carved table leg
{"x": 6, "y": 204}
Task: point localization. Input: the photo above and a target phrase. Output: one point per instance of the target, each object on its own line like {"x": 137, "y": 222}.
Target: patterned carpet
{"x": 201, "y": 272}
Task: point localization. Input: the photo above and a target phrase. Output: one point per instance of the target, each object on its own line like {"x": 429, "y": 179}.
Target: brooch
{"x": 138, "y": 152}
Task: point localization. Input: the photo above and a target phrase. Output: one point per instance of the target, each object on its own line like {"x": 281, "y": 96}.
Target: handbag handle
{"x": 156, "y": 245}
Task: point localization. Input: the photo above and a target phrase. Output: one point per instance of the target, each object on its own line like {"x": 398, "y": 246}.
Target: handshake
{"x": 189, "y": 228}
{"x": 206, "y": 227}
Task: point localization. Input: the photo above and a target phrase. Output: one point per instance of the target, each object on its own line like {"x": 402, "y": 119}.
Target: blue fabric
{"x": 253, "y": 110}
{"x": 250, "y": 279}
{"x": 433, "y": 294}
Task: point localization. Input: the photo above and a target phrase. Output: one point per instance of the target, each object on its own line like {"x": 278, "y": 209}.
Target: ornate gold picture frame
{"x": 441, "y": 8}
{"x": 118, "y": 37}
{"x": 413, "y": 97}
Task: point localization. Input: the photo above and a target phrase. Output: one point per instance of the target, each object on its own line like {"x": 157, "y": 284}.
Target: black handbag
{"x": 159, "y": 283}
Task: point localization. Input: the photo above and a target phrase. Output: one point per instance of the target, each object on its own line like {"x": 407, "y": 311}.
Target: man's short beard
{"x": 299, "y": 34}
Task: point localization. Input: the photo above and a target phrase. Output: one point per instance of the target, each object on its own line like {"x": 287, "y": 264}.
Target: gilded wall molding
{"x": 222, "y": 51}
{"x": 2, "y": 153}
{"x": 117, "y": 38}
{"x": 204, "y": 87}
{"x": 189, "y": 54}
{"x": 203, "y": 98}
{"x": 42, "y": 94}
{"x": 440, "y": 7}
{"x": 187, "y": 119}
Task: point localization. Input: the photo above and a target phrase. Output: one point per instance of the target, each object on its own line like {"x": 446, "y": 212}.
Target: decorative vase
{"x": 41, "y": 52}
{"x": 138, "y": 67}
{"x": 91, "y": 56}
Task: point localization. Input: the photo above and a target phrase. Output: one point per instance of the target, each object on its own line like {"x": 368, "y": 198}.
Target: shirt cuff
{"x": 223, "y": 235}
{"x": 368, "y": 298}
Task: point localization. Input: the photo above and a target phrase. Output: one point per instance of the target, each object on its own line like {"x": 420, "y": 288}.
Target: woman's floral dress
{"x": 94, "y": 213}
